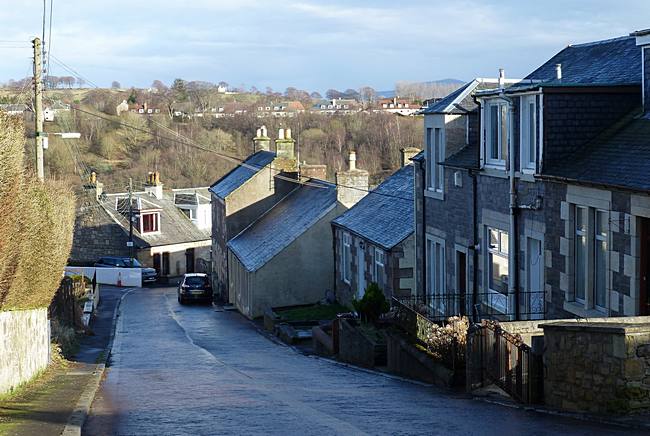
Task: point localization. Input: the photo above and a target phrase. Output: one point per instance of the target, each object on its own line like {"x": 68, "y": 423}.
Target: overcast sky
{"x": 313, "y": 45}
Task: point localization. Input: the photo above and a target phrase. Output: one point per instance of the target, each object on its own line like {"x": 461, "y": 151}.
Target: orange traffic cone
{"x": 119, "y": 279}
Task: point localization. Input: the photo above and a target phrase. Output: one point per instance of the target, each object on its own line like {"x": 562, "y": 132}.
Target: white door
{"x": 535, "y": 279}
{"x": 361, "y": 271}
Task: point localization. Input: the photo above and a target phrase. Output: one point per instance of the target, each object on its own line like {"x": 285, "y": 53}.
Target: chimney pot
{"x": 353, "y": 160}
{"x": 558, "y": 71}
{"x": 502, "y": 78}
{"x": 288, "y": 134}
{"x": 281, "y": 134}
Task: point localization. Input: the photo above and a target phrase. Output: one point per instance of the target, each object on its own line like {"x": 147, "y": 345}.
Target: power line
{"x": 49, "y": 42}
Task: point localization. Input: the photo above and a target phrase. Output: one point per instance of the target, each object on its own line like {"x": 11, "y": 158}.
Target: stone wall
{"x": 24, "y": 346}
{"x": 355, "y": 347}
{"x": 597, "y": 367}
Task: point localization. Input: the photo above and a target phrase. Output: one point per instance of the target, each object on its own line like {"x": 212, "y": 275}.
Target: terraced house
{"x": 532, "y": 199}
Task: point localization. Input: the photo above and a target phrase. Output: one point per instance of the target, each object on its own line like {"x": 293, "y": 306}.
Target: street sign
{"x": 129, "y": 243}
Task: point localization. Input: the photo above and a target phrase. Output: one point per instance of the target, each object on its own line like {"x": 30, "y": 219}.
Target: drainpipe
{"x": 424, "y": 231}
{"x": 512, "y": 231}
{"x": 475, "y": 311}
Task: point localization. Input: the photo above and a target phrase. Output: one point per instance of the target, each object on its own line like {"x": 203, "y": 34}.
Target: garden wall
{"x": 24, "y": 346}
{"x": 597, "y": 367}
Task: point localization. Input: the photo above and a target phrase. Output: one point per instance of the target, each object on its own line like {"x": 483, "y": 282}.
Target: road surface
{"x": 194, "y": 370}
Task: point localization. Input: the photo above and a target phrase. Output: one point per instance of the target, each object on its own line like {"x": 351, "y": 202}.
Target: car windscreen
{"x": 132, "y": 263}
{"x": 196, "y": 281}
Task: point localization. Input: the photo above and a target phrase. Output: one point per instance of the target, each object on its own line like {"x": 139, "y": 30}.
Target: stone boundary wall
{"x": 24, "y": 346}
{"x": 597, "y": 367}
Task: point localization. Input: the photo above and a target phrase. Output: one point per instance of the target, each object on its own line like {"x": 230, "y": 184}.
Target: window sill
{"x": 495, "y": 171}
{"x": 578, "y": 309}
{"x": 432, "y": 193}
{"x": 526, "y": 175}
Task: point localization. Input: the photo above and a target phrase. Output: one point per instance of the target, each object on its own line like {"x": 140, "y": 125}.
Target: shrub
{"x": 36, "y": 225}
{"x": 372, "y": 304}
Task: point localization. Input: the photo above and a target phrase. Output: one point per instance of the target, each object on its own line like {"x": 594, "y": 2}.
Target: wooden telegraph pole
{"x": 38, "y": 107}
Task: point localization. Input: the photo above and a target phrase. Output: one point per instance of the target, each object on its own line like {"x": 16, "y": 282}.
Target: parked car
{"x": 149, "y": 275}
{"x": 195, "y": 287}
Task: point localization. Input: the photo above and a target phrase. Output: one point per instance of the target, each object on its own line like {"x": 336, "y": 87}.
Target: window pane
{"x": 504, "y": 132}
{"x": 494, "y": 239}
{"x": 601, "y": 269}
{"x": 581, "y": 266}
{"x": 439, "y": 158}
{"x": 601, "y": 223}
{"x": 531, "y": 133}
{"x": 504, "y": 242}
{"x": 498, "y": 273}
{"x": 494, "y": 132}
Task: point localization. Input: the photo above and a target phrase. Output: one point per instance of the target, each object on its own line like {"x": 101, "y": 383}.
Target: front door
{"x": 644, "y": 279}
{"x": 189, "y": 260}
{"x": 534, "y": 308}
{"x": 361, "y": 270}
{"x": 461, "y": 285}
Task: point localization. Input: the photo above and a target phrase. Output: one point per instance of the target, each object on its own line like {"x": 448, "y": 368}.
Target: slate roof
{"x": 609, "y": 62}
{"x": 461, "y": 101}
{"x": 240, "y": 175}
{"x": 618, "y": 158}
{"x": 467, "y": 157}
{"x": 175, "y": 226}
{"x": 191, "y": 196}
{"x": 383, "y": 220}
{"x": 283, "y": 223}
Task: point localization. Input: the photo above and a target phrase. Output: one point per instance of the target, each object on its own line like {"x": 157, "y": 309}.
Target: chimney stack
{"x": 643, "y": 41}
{"x": 558, "y": 71}
{"x": 153, "y": 185}
{"x": 261, "y": 141}
{"x": 285, "y": 152}
{"x": 94, "y": 184}
{"x": 407, "y": 154}
{"x": 313, "y": 171}
{"x": 502, "y": 78}
{"x": 352, "y": 185}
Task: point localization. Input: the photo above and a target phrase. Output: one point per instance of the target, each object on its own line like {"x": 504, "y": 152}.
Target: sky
{"x": 307, "y": 44}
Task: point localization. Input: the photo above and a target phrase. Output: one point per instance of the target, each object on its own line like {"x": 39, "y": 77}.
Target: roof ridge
{"x": 602, "y": 41}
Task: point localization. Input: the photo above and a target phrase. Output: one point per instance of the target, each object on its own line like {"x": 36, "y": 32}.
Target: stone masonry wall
{"x": 597, "y": 367}
{"x": 24, "y": 346}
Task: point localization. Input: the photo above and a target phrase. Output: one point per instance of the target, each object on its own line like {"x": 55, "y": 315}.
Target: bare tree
{"x": 115, "y": 84}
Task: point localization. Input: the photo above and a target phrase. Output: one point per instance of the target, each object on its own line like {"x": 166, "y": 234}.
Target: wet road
{"x": 192, "y": 370}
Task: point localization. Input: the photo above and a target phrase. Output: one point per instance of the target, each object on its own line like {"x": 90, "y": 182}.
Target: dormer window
{"x": 150, "y": 222}
{"x": 496, "y": 134}
{"x": 528, "y": 133}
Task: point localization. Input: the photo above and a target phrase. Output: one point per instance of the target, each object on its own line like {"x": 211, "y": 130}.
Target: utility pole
{"x": 38, "y": 108}
{"x": 130, "y": 242}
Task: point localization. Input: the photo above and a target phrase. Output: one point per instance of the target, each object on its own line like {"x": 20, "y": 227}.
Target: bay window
{"x": 528, "y": 150}
{"x": 496, "y": 133}
{"x": 150, "y": 222}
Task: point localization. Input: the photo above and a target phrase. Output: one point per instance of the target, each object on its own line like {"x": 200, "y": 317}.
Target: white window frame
{"x": 379, "y": 269}
{"x": 436, "y": 272}
{"x": 495, "y": 298}
{"x": 528, "y": 162}
{"x": 346, "y": 257}
{"x": 502, "y": 126}
{"x": 594, "y": 238}
{"x": 156, "y": 222}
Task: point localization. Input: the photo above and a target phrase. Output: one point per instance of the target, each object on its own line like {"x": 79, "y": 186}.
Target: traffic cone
{"x": 119, "y": 279}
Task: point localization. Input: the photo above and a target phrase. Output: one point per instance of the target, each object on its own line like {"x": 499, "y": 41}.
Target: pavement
{"x": 44, "y": 406}
{"x": 198, "y": 370}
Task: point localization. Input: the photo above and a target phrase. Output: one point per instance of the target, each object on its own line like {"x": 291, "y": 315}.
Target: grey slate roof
{"x": 467, "y": 157}
{"x": 191, "y": 196}
{"x": 175, "y": 226}
{"x": 283, "y": 224}
{"x": 461, "y": 101}
{"x": 618, "y": 158}
{"x": 610, "y": 62}
{"x": 384, "y": 220}
{"x": 238, "y": 176}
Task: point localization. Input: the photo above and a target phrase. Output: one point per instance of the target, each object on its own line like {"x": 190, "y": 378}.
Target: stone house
{"x": 171, "y": 228}
{"x": 530, "y": 200}
{"x": 374, "y": 241}
{"x": 244, "y": 194}
{"x": 285, "y": 258}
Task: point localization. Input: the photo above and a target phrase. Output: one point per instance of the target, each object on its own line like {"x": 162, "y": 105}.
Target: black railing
{"x": 496, "y": 356}
{"x": 488, "y": 305}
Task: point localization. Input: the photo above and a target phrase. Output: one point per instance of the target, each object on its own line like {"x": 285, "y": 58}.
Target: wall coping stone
{"x": 599, "y": 327}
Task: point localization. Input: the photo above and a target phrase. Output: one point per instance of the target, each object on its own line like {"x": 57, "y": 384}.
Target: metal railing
{"x": 487, "y": 305}
{"x": 496, "y": 356}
